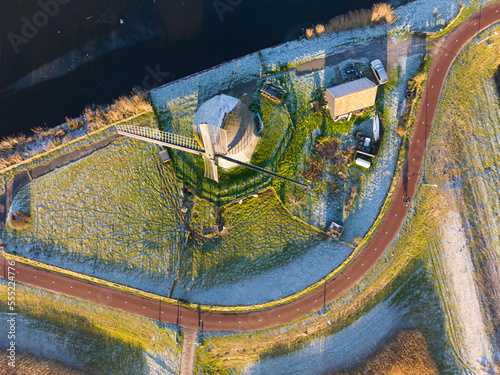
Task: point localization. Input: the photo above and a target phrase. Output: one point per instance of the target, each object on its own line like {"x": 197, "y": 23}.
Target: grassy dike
{"x": 383, "y": 281}
{"x": 421, "y": 81}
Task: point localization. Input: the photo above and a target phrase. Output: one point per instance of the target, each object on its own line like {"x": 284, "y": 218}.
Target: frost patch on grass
{"x": 348, "y": 348}
{"x": 378, "y": 180}
{"x": 120, "y": 225}
{"x": 274, "y": 284}
{"x": 424, "y": 15}
{"x": 461, "y": 294}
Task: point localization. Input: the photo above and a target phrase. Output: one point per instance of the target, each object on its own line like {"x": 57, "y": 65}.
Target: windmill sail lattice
{"x": 159, "y": 137}
{"x": 209, "y": 156}
{"x": 214, "y": 143}
{"x": 214, "y": 136}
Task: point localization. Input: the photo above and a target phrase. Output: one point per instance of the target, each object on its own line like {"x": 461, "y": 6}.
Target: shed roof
{"x": 351, "y": 87}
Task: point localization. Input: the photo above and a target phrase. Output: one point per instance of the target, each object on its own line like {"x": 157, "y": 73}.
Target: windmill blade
{"x": 210, "y": 154}
{"x": 207, "y": 141}
{"x": 159, "y": 137}
{"x": 213, "y": 135}
{"x": 262, "y": 170}
{"x": 210, "y": 168}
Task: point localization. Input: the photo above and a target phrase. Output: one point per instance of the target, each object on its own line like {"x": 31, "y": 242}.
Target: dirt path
{"x": 188, "y": 349}
{"x": 388, "y": 50}
{"x": 353, "y": 273}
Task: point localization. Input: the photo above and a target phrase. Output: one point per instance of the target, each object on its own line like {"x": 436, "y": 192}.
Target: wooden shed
{"x": 350, "y": 96}
{"x": 335, "y": 230}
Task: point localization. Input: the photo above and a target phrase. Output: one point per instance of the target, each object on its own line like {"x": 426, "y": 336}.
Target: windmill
{"x": 214, "y": 150}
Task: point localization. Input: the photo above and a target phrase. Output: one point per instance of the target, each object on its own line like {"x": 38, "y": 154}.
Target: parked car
{"x": 379, "y": 71}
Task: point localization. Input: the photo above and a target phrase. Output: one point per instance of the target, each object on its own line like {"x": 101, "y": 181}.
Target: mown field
{"x": 125, "y": 221}
{"x": 100, "y": 340}
{"x": 109, "y": 208}
{"x": 464, "y": 164}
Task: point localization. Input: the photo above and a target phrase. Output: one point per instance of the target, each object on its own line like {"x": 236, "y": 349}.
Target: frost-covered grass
{"x": 108, "y": 212}
{"x": 124, "y": 225}
{"x": 239, "y": 181}
{"x": 287, "y": 276}
{"x": 260, "y": 235}
{"x": 94, "y": 338}
{"x": 343, "y": 350}
{"x": 423, "y": 15}
{"x": 464, "y": 165}
{"x": 468, "y": 7}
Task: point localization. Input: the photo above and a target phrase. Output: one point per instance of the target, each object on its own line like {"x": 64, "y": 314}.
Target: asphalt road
{"x": 325, "y": 294}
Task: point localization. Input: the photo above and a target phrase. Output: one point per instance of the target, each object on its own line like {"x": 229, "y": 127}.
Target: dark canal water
{"x": 116, "y": 45}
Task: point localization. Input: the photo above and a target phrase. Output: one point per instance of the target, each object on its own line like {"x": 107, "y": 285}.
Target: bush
{"x": 320, "y": 29}
{"x": 401, "y": 131}
{"x": 11, "y": 142}
{"x": 19, "y": 220}
{"x": 355, "y": 19}
{"x": 314, "y": 168}
{"x": 73, "y": 123}
{"x": 383, "y": 11}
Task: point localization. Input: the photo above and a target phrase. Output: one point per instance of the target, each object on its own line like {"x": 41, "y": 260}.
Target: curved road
{"x": 316, "y": 299}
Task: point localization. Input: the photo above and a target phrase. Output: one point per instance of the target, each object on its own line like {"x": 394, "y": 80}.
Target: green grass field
{"x": 260, "y": 235}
